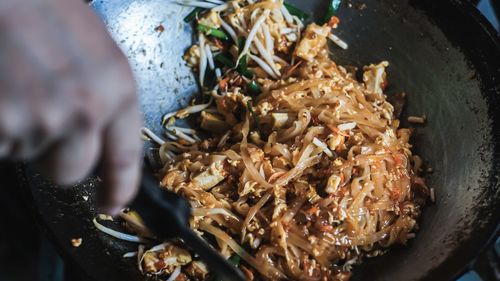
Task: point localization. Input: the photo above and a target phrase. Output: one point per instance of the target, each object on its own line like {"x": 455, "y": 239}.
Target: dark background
{"x": 25, "y": 254}
{"x": 19, "y": 236}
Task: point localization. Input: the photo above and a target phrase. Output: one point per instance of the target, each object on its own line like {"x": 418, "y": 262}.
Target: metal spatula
{"x": 167, "y": 215}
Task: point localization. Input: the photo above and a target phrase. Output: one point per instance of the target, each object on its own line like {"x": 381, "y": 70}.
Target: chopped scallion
{"x": 225, "y": 60}
{"x": 242, "y": 68}
{"x": 252, "y": 113}
{"x": 193, "y": 14}
{"x": 212, "y": 31}
{"x": 234, "y": 260}
{"x": 254, "y": 88}
{"x": 241, "y": 43}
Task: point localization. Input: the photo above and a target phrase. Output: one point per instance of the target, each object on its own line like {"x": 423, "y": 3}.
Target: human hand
{"x": 67, "y": 94}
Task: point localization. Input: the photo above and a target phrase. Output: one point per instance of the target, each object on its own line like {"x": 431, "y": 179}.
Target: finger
{"x": 15, "y": 117}
{"x": 121, "y": 160}
{"x": 86, "y": 31}
{"x": 52, "y": 118}
{"x": 22, "y": 90}
{"x": 52, "y": 51}
{"x": 48, "y": 121}
{"x": 73, "y": 158}
{"x": 13, "y": 126}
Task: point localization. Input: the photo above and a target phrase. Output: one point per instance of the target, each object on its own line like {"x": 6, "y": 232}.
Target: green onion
{"x": 212, "y": 31}
{"x": 254, "y": 88}
{"x": 296, "y": 11}
{"x": 234, "y": 260}
{"x": 242, "y": 68}
{"x": 193, "y": 14}
{"x": 241, "y": 43}
{"x": 225, "y": 60}
{"x": 243, "y": 65}
{"x": 252, "y": 113}
{"x": 333, "y": 7}
{"x": 248, "y": 74}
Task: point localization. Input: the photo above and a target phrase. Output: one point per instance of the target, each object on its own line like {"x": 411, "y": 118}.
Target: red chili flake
{"x": 315, "y": 120}
{"x": 326, "y": 228}
{"x": 248, "y": 272}
{"x": 223, "y": 84}
{"x": 160, "y": 28}
{"x": 397, "y": 159}
{"x": 333, "y": 21}
{"x": 395, "y": 194}
{"x": 159, "y": 265}
{"x": 313, "y": 210}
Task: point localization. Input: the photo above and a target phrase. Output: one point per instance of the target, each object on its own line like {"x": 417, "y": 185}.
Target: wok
{"x": 443, "y": 54}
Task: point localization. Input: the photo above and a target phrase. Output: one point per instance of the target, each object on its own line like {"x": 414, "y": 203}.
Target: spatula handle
{"x": 167, "y": 215}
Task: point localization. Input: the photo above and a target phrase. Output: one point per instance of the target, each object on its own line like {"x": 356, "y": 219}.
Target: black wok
{"x": 443, "y": 54}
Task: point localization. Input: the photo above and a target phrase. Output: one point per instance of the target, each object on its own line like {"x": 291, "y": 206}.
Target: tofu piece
{"x": 314, "y": 40}
{"x": 375, "y": 77}
{"x": 197, "y": 270}
{"x": 165, "y": 260}
{"x": 211, "y": 177}
{"x": 279, "y": 119}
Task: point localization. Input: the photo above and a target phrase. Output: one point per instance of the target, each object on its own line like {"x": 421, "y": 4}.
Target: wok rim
{"x": 479, "y": 238}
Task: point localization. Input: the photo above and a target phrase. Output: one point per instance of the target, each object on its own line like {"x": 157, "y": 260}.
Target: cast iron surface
{"x": 442, "y": 53}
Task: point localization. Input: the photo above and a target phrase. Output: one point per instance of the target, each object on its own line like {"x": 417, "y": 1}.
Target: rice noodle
{"x": 309, "y": 172}
{"x": 214, "y": 211}
{"x": 253, "y": 211}
{"x": 246, "y": 158}
{"x": 274, "y": 273}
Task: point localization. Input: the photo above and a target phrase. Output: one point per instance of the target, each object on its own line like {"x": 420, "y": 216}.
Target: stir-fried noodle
{"x": 306, "y": 170}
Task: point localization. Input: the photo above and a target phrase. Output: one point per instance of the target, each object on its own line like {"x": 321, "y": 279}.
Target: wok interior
{"x": 456, "y": 142}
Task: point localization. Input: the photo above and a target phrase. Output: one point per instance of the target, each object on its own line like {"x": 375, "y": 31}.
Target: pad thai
{"x": 303, "y": 172}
